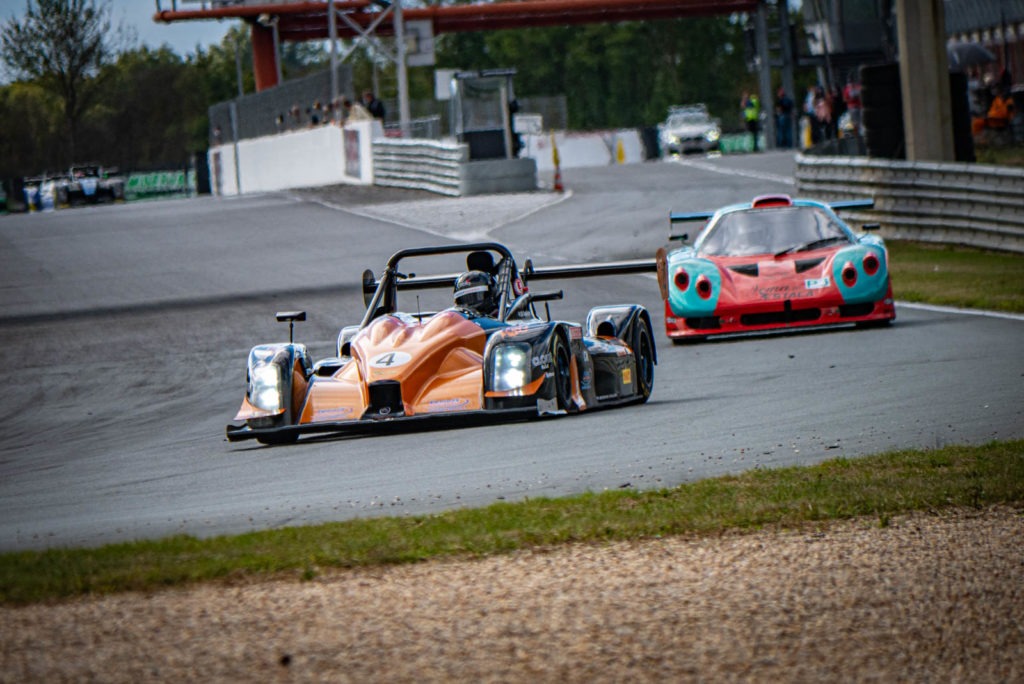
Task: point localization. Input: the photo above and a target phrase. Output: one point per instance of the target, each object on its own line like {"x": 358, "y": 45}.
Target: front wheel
{"x": 562, "y": 361}
{"x": 643, "y": 351}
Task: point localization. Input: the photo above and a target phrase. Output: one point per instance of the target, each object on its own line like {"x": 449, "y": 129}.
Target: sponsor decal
{"x": 443, "y": 405}
{"x": 542, "y": 360}
{"x": 775, "y": 293}
{"x": 547, "y": 406}
{"x": 817, "y": 283}
{"x": 627, "y": 376}
{"x": 390, "y": 359}
{"x": 575, "y": 332}
{"x": 339, "y": 413}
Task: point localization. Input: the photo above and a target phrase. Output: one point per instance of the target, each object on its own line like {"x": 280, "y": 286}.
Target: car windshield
{"x": 771, "y": 231}
{"x": 688, "y": 119}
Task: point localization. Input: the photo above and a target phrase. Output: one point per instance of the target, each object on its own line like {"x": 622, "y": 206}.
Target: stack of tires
{"x": 883, "y": 113}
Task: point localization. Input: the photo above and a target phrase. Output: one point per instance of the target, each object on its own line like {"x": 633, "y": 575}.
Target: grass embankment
{"x": 878, "y": 487}
{"x": 948, "y": 275}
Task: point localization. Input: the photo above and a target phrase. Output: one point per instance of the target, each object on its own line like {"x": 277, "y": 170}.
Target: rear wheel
{"x": 562, "y": 360}
{"x": 643, "y": 351}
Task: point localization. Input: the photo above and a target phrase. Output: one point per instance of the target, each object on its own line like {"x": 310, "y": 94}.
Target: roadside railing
{"x": 953, "y": 203}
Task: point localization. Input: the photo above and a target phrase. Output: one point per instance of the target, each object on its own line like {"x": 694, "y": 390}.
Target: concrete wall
{"x": 323, "y": 155}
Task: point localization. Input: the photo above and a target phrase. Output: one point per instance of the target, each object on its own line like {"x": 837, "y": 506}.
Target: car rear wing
{"x": 852, "y": 204}
{"x": 529, "y": 272}
{"x": 680, "y": 217}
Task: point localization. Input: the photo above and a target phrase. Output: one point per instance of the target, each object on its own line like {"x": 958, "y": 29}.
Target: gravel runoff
{"x": 933, "y": 597}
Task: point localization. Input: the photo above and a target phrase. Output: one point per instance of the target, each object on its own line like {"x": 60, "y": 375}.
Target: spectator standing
{"x": 751, "y": 108}
{"x": 784, "y": 107}
{"x": 822, "y": 115}
{"x": 851, "y": 96}
{"x": 373, "y": 105}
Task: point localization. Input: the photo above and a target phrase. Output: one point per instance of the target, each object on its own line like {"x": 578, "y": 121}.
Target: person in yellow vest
{"x": 751, "y": 107}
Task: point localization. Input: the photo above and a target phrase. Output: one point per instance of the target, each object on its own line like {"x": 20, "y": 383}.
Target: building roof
{"x": 963, "y": 16}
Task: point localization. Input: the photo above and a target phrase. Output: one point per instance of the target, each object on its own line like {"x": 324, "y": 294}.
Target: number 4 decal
{"x": 390, "y": 359}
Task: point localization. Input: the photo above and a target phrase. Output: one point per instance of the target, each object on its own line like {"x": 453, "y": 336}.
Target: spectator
{"x": 374, "y": 106}
{"x": 822, "y": 115}
{"x": 784, "y": 119}
{"x": 356, "y": 111}
{"x": 851, "y": 96}
{"x": 751, "y": 107}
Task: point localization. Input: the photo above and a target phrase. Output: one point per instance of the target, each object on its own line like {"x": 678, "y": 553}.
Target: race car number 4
{"x": 390, "y": 359}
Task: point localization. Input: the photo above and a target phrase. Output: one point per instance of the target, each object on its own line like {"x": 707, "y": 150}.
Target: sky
{"x": 138, "y": 14}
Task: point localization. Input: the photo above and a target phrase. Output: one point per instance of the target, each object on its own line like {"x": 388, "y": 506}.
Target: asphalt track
{"x": 125, "y": 330}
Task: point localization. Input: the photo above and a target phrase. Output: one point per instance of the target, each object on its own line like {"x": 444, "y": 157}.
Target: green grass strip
{"x": 950, "y": 275}
{"x": 876, "y": 486}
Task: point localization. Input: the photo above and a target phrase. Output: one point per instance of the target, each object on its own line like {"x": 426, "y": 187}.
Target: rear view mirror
{"x": 369, "y": 287}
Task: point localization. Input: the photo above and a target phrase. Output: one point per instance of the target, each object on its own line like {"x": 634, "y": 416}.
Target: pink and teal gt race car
{"x": 775, "y": 263}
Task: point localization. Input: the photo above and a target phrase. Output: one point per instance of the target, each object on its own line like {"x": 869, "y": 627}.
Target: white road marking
{"x": 758, "y": 175}
{"x": 955, "y": 310}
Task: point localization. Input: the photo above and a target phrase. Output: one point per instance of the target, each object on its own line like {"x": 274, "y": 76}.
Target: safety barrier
{"x": 969, "y": 204}
{"x": 445, "y": 168}
{"x": 419, "y": 164}
{"x": 160, "y": 184}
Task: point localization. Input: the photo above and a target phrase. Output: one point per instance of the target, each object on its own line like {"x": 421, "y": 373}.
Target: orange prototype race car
{"x": 485, "y": 353}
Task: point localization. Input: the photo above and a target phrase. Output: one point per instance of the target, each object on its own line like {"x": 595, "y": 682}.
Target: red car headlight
{"x": 703, "y": 287}
{"x": 871, "y": 264}
{"x": 849, "y": 274}
{"x": 682, "y": 280}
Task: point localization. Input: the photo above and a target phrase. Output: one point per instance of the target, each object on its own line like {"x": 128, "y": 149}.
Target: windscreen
{"x": 770, "y": 231}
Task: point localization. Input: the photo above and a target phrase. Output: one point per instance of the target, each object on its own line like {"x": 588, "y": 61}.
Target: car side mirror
{"x": 868, "y": 227}
{"x": 369, "y": 287}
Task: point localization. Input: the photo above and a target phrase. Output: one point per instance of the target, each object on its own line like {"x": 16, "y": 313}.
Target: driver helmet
{"x": 474, "y": 290}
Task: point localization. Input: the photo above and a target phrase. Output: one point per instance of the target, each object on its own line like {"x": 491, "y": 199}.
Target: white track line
{"x": 955, "y": 310}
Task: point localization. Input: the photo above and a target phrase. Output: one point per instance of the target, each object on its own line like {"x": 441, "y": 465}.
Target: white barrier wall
{"x": 598, "y": 148}
{"x": 324, "y": 155}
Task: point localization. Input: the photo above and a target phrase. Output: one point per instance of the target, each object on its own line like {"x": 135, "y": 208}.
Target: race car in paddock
{"x": 775, "y": 263}
{"x": 489, "y": 355}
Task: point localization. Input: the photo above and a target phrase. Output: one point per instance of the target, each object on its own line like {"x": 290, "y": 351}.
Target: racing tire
{"x": 561, "y": 361}
{"x": 643, "y": 353}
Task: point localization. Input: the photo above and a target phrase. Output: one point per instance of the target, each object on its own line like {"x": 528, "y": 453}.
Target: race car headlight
{"x": 265, "y": 387}
{"x": 511, "y": 366}
{"x": 712, "y": 135}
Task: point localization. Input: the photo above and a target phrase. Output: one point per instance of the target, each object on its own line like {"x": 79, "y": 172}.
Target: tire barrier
{"x": 952, "y": 203}
{"x": 419, "y": 164}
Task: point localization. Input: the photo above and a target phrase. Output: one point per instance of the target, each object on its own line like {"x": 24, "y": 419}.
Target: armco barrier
{"x": 969, "y": 204}
{"x": 445, "y": 168}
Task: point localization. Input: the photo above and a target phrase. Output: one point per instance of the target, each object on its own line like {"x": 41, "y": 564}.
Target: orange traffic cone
{"x": 555, "y": 160}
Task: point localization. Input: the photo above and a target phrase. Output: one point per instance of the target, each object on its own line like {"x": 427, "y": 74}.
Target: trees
{"x": 61, "y": 45}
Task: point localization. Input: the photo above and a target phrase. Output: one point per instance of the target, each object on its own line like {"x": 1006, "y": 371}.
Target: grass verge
{"x": 949, "y": 275}
{"x": 877, "y": 486}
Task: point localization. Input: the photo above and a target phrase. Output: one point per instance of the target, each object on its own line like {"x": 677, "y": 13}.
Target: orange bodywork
{"x": 439, "y": 365}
